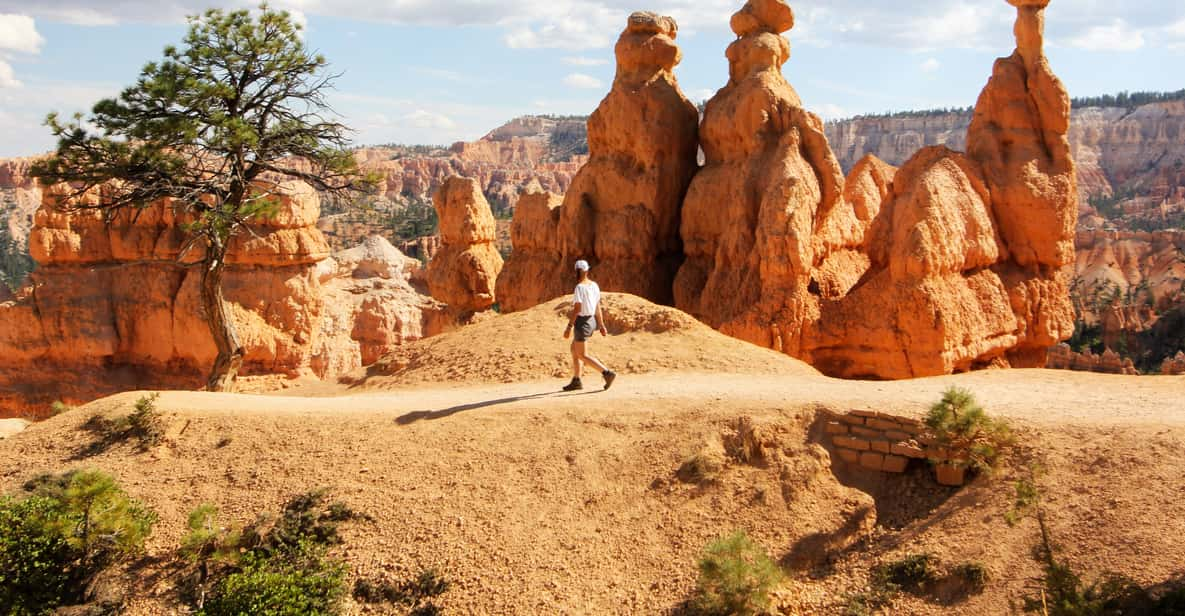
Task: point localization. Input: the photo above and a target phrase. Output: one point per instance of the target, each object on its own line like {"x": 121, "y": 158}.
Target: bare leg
{"x": 595, "y": 363}
{"x": 577, "y": 357}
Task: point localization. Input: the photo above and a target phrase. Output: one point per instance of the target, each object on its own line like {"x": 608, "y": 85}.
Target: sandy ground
{"x": 534, "y": 501}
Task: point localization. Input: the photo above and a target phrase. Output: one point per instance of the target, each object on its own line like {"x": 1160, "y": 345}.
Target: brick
{"x": 895, "y": 464}
{"x": 866, "y": 433}
{"x": 858, "y": 444}
{"x": 870, "y": 414}
{"x": 852, "y": 420}
{"x": 908, "y": 450}
{"x": 897, "y": 436}
{"x": 834, "y": 427}
{"x": 948, "y": 474}
{"x": 850, "y": 456}
{"x": 880, "y": 445}
{"x": 872, "y": 461}
{"x": 883, "y": 424}
{"x": 927, "y": 439}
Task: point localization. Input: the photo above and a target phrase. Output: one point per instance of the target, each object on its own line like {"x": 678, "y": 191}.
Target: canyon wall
{"x": 1130, "y": 159}
{"x": 113, "y": 307}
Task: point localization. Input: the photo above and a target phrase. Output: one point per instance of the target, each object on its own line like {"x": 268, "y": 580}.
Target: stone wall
{"x": 876, "y": 441}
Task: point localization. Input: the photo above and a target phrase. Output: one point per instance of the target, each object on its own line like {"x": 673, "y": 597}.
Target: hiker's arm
{"x": 572, "y": 319}
{"x": 601, "y": 320}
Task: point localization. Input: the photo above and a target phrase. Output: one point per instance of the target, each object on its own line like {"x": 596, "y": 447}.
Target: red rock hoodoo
{"x": 951, "y": 263}
{"x": 621, "y": 212}
{"x": 463, "y": 272}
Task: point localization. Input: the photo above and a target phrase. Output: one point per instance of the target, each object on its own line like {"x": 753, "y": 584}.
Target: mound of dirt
{"x": 528, "y": 346}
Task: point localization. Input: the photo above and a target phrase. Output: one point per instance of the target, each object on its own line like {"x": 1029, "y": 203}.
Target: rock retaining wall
{"x": 876, "y": 441}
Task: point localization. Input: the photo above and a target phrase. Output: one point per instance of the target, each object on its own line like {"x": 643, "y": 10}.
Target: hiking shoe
{"x": 575, "y": 385}
{"x": 609, "y": 376}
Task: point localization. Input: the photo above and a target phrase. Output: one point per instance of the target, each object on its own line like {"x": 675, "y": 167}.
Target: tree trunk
{"x": 222, "y": 328}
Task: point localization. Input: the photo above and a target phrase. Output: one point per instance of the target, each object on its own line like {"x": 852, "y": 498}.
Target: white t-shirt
{"x": 588, "y": 295}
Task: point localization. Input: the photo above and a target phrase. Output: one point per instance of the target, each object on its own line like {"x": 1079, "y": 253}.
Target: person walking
{"x": 586, "y": 319}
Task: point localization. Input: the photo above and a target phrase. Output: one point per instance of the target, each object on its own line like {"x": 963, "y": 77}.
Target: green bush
{"x": 910, "y": 574}
{"x": 53, "y": 542}
{"x": 960, "y": 424}
{"x": 736, "y": 577}
{"x": 145, "y": 423}
{"x": 302, "y": 583}
{"x": 277, "y": 571}
{"x": 973, "y": 576}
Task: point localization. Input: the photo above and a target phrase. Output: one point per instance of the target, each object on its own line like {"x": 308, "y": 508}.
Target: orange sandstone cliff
{"x": 622, "y": 211}
{"x": 115, "y": 306}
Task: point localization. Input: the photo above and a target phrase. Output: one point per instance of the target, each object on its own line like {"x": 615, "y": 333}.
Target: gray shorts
{"x": 585, "y": 328}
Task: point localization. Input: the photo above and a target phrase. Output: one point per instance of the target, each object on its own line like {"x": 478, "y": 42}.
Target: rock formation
{"x": 463, "y": 272}
{"x": 111, "y": 307}
{"x": 751, "y": 211}
{"x": 950, "y": 263}
{"x": 622, "y": 211}
{"x": 1062, "y": 357}
{"x": 1174, "y": 366}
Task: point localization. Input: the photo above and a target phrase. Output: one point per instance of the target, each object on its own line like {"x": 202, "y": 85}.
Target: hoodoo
{"x": 622, "y": 211}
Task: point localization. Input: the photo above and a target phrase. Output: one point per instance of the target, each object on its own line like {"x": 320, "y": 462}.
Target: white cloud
{"x": 19, "y": 33}
{"x": 700, "y": 94}
{"x": 1116, "y": 36}
{"x": 7, "y": 77}
{"x": 584, "y": 61}
{"x": 427, "y": 119}
{"x": 830, "y": 111}
{"x": 580, "y": 80}
{"x": 931, "y": 65}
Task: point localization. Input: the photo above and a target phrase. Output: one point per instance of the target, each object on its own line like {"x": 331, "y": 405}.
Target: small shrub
{"x": 58, "y": 407}
{"x": 702, "y": 467}
{"x": 961, "y": 425}
{"x": 910, "y": 574}
{"x": 145, "y": 424}
{"x": 736, "y": 577}
{"x": 306, "y": 582}
{"x": 279, "y": 570}
{"x": 53, "y": 542}
{"x": 973, "y": 576}
{"x": 1026, "y": 498}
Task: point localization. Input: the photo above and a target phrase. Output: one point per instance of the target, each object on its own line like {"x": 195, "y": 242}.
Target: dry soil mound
{"x": 527, "y": 346}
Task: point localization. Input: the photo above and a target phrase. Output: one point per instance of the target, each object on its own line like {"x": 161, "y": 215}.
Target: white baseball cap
{"x": 582, "y": 266}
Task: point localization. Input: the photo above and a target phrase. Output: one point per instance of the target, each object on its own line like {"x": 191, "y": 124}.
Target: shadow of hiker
{"x": 415, "y": 416}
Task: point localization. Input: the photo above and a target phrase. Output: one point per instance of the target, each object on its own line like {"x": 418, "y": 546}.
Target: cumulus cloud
{"x": 1116, "y": 36}
{"x": 931, "y": 65}
{"x": 19, "y": 33}
{"x": 427, "y": 119}
{"x": 584, "y": 24}
{"x": 7, "y": 77}
{"x": 830, "y": 111}
{"x": 580, "y": 80}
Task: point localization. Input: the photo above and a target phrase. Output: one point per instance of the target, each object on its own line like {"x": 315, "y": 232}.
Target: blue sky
{"x": 439, "y": 71}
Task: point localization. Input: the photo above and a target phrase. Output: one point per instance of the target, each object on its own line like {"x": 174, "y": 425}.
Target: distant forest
{"x": 1128, "y": 100}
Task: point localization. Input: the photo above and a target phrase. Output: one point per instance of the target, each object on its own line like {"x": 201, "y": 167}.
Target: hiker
{"x": 586, "y": 318}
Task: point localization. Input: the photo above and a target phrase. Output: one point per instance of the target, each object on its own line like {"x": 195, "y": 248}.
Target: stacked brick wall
{"x": 881, "y": 442}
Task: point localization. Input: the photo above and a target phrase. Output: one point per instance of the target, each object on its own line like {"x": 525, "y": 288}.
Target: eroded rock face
{"x": 622, "y": 211}
{"x": 116, "y": 307}
{"x": 953, "y": 262}
{"x": 465, "y": 268}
